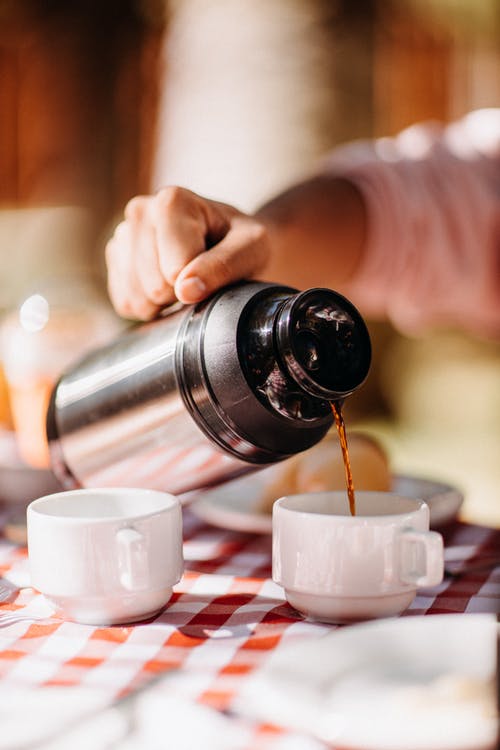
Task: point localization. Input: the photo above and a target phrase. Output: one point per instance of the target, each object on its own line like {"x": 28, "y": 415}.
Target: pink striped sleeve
{"x": 433, "y": 202}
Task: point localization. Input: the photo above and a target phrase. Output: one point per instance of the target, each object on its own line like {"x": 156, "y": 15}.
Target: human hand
{"x": 157, "y": 254}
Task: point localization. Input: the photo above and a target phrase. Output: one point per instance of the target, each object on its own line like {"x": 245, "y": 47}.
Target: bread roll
{"x": 278, "y": 480}
{"x": 322, "y": 469}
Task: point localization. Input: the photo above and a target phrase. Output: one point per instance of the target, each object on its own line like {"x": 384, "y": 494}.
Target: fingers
{"x": 242, "y": 254}
{"x": 136, "y": 285}
{"x": 184, "y": 223}
{"x": 125, "y": 291}
{"x": 145, "y": 253}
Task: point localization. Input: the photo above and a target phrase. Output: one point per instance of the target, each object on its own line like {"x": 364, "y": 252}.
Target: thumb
{"x": 241, "y": 254}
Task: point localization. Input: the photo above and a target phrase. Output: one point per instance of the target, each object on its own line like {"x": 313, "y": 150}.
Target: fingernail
{"x": 192, "y": 289}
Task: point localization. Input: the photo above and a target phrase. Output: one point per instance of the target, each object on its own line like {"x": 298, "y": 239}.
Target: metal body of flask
{"x": 208, "y": 392}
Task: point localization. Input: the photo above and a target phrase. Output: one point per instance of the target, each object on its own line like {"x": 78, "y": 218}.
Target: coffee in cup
{"x": 336, "y": 567}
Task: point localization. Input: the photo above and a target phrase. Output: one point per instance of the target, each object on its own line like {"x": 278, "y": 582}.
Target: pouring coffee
{"x": 208, "y": 392}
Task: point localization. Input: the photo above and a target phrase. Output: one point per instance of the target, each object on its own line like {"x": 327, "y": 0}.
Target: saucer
{"x": 416, "y": 683}
{"x": 20, "y": 483}
{"x": 235, "y": 505}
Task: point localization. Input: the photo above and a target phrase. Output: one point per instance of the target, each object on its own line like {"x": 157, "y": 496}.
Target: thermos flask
{"x": 208, "y": 392}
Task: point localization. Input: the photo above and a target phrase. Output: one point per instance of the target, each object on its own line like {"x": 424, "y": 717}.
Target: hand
{"x": 159, "y": 252}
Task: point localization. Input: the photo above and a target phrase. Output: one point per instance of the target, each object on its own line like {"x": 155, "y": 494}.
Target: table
{"x": 225, "y": 618}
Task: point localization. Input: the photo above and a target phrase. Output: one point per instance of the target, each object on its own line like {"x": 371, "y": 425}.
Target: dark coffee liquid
{"x": 340, "y": 424}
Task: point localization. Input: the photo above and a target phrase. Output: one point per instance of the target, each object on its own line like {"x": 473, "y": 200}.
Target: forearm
{"x": 407, "y": 228}
{"x": 317, "y": 233}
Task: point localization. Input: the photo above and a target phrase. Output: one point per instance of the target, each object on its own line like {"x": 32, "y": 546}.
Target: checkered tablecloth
{"x": 225, "y": 618}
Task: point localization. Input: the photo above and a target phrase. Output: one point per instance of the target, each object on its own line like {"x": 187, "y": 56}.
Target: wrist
{"x": 316, "y": 231}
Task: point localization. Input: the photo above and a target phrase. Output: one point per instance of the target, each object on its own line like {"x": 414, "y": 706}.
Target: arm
{"x": 432, "y": 250}
{"x": 406, "y": 227}
{"x": 317, "y": 232}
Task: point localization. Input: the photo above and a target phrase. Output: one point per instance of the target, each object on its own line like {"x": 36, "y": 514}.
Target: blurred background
{"x": 100, "y": 101}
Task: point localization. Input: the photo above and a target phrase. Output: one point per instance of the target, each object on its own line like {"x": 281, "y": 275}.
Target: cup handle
{"x": 132, "y": 559}
{"x": 421, "y": 557}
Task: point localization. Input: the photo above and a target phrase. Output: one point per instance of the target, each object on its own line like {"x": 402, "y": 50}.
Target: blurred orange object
{"x": 5, "y": 412}
{"x": 29, "y": 409}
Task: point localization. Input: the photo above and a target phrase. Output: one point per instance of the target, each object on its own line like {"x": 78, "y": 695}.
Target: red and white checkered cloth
{"x": 225, "y": 618}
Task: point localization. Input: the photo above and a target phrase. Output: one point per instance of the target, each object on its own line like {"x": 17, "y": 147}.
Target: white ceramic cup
{"x": 105, "y": 556}
{"x": 335, "y": 567}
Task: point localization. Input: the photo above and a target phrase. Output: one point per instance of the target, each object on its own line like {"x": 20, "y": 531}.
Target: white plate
{"x": 235, "y": 505}
{"x": 416, "y": 683}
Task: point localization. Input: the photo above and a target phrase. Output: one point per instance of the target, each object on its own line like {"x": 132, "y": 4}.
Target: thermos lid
{"x": 324, "y": 343}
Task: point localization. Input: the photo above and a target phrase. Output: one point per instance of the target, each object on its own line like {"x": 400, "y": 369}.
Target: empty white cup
{"x": 106, "y": 556}
{"x": 335, "y": 567}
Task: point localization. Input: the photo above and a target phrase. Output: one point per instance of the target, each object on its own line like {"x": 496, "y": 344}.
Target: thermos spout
{"x": 324, "y": 343}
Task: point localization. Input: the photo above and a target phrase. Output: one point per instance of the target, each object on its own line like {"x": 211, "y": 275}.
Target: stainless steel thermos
{"x": 208, "y": 392}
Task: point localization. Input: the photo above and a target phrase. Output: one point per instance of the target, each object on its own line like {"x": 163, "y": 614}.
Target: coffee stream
{"x": 340, "y": 424}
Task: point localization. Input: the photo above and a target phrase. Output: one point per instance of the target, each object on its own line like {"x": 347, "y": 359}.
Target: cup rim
{"x": 171, "y": 503}
{"x": 417, "y": 503}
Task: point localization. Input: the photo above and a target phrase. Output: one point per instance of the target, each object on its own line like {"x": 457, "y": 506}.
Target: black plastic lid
{"x": 324, "y": 343}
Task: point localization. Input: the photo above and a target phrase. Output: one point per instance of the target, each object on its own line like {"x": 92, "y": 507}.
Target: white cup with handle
{"x": 336, "y": 567}
{"x": 105, "y": 556}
